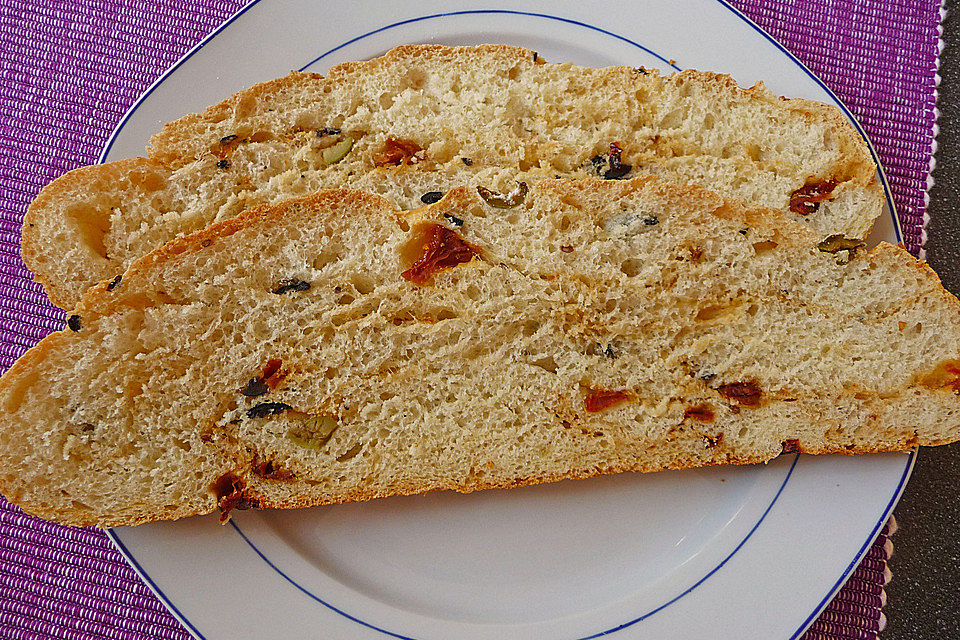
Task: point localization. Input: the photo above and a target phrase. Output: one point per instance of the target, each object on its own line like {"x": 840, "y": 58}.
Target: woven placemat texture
{"x": 69, "y": 70}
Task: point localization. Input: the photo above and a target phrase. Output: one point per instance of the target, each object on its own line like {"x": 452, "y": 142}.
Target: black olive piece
{"x": 267, "y": 409}
{"x": 743, "y": 232}
{"x": 74, "y": 322}
{"x": 291, "y": 284}
{"x": 598, "y": 162}
{"x": 113, "y": 284}
{"x": 535, "y": 56}
{"x": 467, "y": 161}
{"x": 454, "y": 220}
{"x": 431, "y": 196}
{"x": 706, "y": 377}
{"x": 650, "y": 220}
{"x": 256, "y": 387}
{"x": 328, "y": 131}
{"x": 618, "y": 172}
{"x": 223, "y": 164}
{"x": 228, "y": 139}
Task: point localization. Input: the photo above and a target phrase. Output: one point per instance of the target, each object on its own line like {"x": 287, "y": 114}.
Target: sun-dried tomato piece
{"x": 600, "y": 399}
{"x": 943, "y": 376}
{"x": 441, "y": 248}
{"x": 269, "y": 470}
{"x": 268, "y": 380}
{"x": 270, "y": 372}
{"x": 807, "y": 199}
{"x": 396, "y": 152}
{"x": 790, "y": 446}
{"x": 229, "y": 490}
{"x": 700, "y": 412}
{"x": 744, "y": 393}
{"x": 955, "y": 383}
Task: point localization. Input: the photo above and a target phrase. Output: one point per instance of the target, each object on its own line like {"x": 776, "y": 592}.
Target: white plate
{"x": 717, "y": 553}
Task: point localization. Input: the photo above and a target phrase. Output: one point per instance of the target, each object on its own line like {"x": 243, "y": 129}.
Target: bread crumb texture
{"x": 288, "y": 357}
{"x": 428, "y": 118}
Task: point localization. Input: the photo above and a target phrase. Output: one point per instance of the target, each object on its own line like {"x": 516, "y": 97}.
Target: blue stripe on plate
{"x": 590, "y": 637}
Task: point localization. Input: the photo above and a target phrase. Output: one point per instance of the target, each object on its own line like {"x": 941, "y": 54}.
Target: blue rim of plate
{"x": 908, "y": 467}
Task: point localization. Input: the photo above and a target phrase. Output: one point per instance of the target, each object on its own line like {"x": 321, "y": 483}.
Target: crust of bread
{"x": 81, "y": 211}
{"x": 356, "y": 211}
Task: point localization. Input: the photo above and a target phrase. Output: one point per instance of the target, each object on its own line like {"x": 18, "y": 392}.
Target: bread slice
{"x": 333, "y": 348}
{"x": 471, "y": 111}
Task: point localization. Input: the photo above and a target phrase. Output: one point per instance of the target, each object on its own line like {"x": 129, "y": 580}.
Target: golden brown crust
{"x": 101, "y": 301}
{"x": 46, "y": 212}
{"x": 192, "y": 137}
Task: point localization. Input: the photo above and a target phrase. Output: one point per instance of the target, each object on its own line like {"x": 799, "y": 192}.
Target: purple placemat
{"x": 68, "y": 71}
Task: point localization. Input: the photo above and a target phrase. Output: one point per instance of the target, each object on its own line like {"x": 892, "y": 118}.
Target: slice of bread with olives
{"x": 426, "y": 118}
{"x": 335, "y": 348}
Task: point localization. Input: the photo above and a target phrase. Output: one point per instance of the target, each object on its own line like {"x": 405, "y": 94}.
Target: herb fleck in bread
{"x": 333, "y": 348}
{"x": 494, "y": 107}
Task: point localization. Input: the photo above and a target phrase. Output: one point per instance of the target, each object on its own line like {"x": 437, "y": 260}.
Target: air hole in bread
{"x": 713, "y": 312}
{"x": 530, "y": 327}
{"x": 764, "y": 246}
{"x": 326, "y": 257}
{"x": 631, "y": 267}
{"x": 363, "y": 284}
{"x": 81, "y": 506}
{"x": 351, "y": 452}
{"x": 546, "y": 363}
{"x": 92, "y": 226}
{"x": 385, "y": 101}
{"x": 672, "y": 120}
{"x": 148, "y": 181}
{"x": 416, "y": 78}
{"x": 245, "y": 106}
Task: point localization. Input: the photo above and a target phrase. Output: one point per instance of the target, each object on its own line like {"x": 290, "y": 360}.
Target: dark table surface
{"x": 924, "y": 596}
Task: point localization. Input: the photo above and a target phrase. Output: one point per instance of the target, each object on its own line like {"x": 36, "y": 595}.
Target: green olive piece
{"x": 504, "y": 201}
{"x": 335, "y": 153}
{"x": 315, "y": 432}
{"x": 837, "y": 243}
